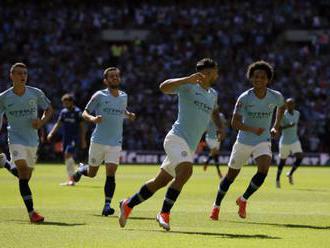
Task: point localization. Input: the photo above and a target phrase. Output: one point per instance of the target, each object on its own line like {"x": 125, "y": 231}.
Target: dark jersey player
{"x": 73, "y": 133}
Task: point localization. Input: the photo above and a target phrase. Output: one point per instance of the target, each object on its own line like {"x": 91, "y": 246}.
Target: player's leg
{"x": 96, "y": 156}
{"x": 24, "y": 175}
{"x": 4, "y": 163}
{"x": 24, "y": 159}
{"x": 208, "y": 160}
{"x": 145, "y": 192}
{"x": 178, "y": 164}
{"x": 297, "y": 162}
{"x": 177, "y": 152}
{"x": 69, "y": 164}
{"x": 183, "y": 172}
{"x": 279, "y": 172}
{"x": 111, "y": 159}
{"x": 263, "y": 156}
{"x": 224, "y": 185}
{"x": 284, "y": 152}
{"x": 297, "y": 151}
{"x": 109, "y": 188}
{"x": 263, "y": 163}
{"x": 239, "y": 156}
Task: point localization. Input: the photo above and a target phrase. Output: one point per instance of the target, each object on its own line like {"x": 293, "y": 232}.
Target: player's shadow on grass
{"x": 51, "y": 223}
{"x": 312, "y": 190}
{"x": 131, "y": 218}
{"x": 55, "y": 223}
{"x": 222, "y": 235}
{"x": 90, "y": 186}
{"x": 286, "y": 225}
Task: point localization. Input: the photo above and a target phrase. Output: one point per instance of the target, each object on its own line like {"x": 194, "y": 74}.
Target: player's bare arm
{"x": 221, "y": 133}
{"x": 91, "y": 118}
{"x": 55, "y": 128}
{"x": 275, "y": 131}
{"x": 38, "y": 123}
{"x": 236, "y": 123}
{"x": 170, "y": 85}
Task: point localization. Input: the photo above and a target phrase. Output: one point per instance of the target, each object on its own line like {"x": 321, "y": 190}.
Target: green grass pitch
{"x": 293, "y": 216}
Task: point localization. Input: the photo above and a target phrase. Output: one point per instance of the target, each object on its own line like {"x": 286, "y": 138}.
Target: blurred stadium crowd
{"x": 61, "y": 43}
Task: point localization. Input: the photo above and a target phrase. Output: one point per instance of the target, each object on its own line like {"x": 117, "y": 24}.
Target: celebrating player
{"x": 197, "y": 103}
{"x": 252, "y": 117}
{"x": 20, "y": 104}
{"x": 109, "y": 106}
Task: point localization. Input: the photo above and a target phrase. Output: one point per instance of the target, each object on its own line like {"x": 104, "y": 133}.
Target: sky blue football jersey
{"x": 195, "y": 108}
{"x": 258, "y": 113}
{"x": 290, "y": 135}
{"x": 112, "y": 109}
{"x": 20, "y": 111}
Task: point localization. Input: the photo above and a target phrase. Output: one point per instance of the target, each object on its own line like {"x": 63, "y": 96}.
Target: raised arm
{"x": 170, "y": 85}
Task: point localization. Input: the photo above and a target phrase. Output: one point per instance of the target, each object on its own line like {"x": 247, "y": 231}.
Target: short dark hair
{"x": 260, "y": 65}
{"x": 67, "y": 97}
{"x": 105, "y": 73}
{"x": 206, "y": 63}
{"x": 16, "y": 65}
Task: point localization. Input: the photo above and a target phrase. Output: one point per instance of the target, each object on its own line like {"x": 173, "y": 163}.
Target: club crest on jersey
{"x": 270, "y": 106}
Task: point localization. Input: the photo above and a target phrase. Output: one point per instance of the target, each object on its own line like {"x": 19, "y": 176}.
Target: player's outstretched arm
{"x": 236, "y": 123}
{"x": 55, "y": 128}
{"x": 170, "y": 85}
{"x": 90, "y": 118}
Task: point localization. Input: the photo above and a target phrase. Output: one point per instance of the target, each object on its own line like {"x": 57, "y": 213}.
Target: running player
{"x": 252, "y": 117}
{"x": 20, "y": 104}
{"x": 213, "y": 142}
{"x": 197, "y": 103}
{"x": 289, "y": 141}
{"x": 73, "y": 134}
{"x": 109, "y": 106}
